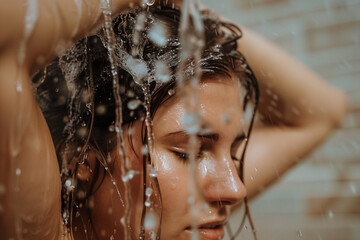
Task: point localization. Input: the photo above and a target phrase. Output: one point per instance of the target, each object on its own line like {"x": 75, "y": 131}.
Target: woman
{"x": 30, "y": 174}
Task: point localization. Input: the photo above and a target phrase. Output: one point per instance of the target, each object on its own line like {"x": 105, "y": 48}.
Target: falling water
{"x": 152, "y": 209}
{"x": 106, "y": 9}
{"x": 192, "y": 40}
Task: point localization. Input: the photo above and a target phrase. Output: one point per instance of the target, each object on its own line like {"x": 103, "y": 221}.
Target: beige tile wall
{"x": 319, "y": 199}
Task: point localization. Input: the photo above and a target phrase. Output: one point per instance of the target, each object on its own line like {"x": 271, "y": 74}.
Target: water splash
{"x": 110, "y": 45}
{"x": 157, "y": 34}
{"x": 192, "y": 41}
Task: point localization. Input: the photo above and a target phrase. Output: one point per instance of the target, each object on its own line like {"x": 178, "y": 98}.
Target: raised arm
{"x": 298, "y": 109}
{"x": 53, "y": 25}
{"x": 29, "y": 174}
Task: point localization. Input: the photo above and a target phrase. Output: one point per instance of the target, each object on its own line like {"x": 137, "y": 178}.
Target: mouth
{"x": 210, "y": 231}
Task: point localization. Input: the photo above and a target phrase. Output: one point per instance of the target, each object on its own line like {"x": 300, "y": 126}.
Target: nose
{"x": 220, "y": 181}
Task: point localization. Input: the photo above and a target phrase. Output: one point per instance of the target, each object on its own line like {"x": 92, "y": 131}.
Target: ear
{"x": 85, "y": 166}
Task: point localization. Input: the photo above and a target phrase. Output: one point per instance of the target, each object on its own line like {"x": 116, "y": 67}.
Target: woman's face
{"x": 218, "y": 149}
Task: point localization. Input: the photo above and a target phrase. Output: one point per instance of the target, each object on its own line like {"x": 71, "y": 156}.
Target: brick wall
{"x": 320, "y": 199}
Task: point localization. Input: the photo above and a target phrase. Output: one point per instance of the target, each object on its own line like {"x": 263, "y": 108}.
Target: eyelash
{"x": 185, "y": 156}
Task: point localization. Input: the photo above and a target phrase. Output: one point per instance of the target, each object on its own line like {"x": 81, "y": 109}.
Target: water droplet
{"x": 134, "y": 104}
{"x": 162, "y": 71}
{"x": 77, "y": 214}
{"x": 157, "y": 34}
{"x": 81, "y": 194}
{"x": 85, "y": 96}
{"x": 147, "y": 203}
{"x": 18, "y": 171}
{"x": 144, "y": 150}
{"x": 130, "y": 175}
{"x": 111, "y": 128}
{"x": 19, "y": 87}
{"x": 191, "y": 200}
{"x": 69, "y": 185}
{"x": 352, "y": 188}
{"x": 225, "y": 119}
{"x": 152, "y": 172}
{"x": 331, "y": 214}
{"x": 124, "y": 178}
{"x": 153, "y": 236}
{"x": 172, "y": 185}
{"x": 256, "y": 170}
{"x": 101, "y": 109}
{"x": 299, "y": 233}
{"x": 140, "y": 22}
{"x": 171, "y": 92}
{"x": 148, "y": 192}
{"x": 82, "y": 132}
{"x": 138, "y": 69}
{"x": 191, "y": 123}
{"x": 150, "y": 220}
{"x": 252, "y": 178}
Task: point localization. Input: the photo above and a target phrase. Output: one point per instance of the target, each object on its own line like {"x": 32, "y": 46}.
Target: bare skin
{"x": 309, "y": 110}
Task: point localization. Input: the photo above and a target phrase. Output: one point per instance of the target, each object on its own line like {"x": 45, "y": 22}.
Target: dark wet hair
{"x": 75, "y": 90}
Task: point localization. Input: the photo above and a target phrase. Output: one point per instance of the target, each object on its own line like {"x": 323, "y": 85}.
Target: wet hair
{"x": 75, "y": 90}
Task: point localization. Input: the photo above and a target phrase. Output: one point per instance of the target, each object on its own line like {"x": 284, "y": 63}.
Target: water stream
{"x": 192, "y": 41}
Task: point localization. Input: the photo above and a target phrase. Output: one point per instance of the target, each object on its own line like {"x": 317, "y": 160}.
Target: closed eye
{"x": 185, "y": 156}
{"x": 182, "y": 156}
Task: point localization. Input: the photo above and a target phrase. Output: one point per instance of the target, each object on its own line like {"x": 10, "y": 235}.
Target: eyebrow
{"x": 211, "y": 136}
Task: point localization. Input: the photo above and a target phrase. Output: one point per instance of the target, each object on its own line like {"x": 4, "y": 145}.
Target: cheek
{"x": 172, "y": 176}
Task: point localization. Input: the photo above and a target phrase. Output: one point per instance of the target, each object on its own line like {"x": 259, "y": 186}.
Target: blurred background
{"x": 320, "y": 198}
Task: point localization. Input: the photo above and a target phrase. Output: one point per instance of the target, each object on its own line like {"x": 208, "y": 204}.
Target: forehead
{"x": 219, "y": 105}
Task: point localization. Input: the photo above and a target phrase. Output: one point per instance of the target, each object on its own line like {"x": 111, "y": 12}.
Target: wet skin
{"x": 218, "y": 152}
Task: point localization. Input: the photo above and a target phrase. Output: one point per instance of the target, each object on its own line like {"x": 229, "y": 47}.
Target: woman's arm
{"x": 57, "y": 24}
{"x": 298, "y": 109}
{"x": 29, "y": 174}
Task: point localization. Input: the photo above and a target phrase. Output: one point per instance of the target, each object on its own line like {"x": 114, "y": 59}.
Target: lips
{"x": 210, "y": 231}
